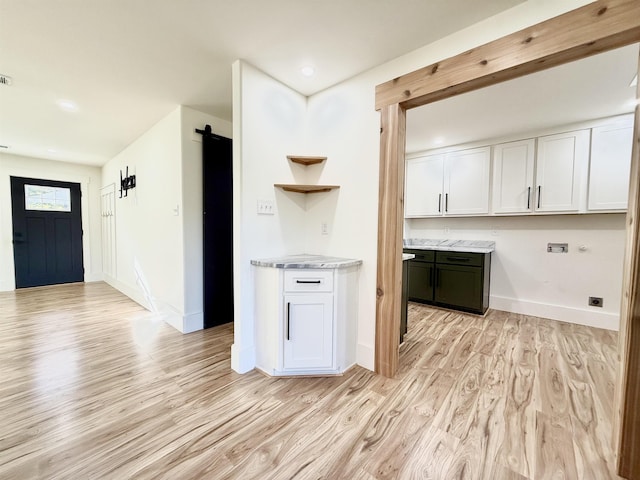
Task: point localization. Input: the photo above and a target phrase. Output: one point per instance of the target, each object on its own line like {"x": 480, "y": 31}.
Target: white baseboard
{"x": 133, "y": 293}
{"x": 243, "y": 360}
{"x": 193, "y": 322}
{"x": 166, "y": 312}
{"x": 93, "y": 277}
{"x": 590, "y": 317}
{"x": 365, "y": 356}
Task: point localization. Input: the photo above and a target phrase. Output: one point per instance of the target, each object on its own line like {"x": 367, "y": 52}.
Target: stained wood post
{"x": 627, "y": 414}
{"x": 390, "y": 225}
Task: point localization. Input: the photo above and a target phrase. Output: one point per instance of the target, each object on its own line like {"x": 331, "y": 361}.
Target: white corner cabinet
{"x": 452, "y": 183}
{"x": 305, "y": 319}
{"x": 566, "y": 170}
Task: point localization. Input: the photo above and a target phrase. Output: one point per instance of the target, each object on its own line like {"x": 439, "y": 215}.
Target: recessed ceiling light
{"x": 634, "y": 82}
{"x": 438, "y": 141}
{"x": 52, "y": 150}
{"x": 67, "y": 105}
{"x": 308, "y": 71}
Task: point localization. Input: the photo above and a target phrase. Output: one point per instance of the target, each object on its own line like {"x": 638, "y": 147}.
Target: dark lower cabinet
{"x": 403, "y": 303}
{"x": 420, "y": 277}
{"x": 458, "y": 280}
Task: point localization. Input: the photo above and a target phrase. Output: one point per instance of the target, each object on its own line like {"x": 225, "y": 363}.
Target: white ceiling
{"x": 592, "y": 88}
{"x": 128, "y": 63}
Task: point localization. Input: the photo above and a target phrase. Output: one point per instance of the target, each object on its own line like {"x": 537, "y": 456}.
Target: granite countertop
{"x": 306, "y": 261}
{"x": 472, "y": 246}
{"x": 407, "y": 256}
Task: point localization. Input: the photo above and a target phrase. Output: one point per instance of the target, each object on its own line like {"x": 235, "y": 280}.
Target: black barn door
{"x": 218, "y": 230}
{"x": 47, "y": 232}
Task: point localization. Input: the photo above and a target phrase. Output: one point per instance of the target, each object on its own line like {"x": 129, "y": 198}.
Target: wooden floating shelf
{"x": 306, "y": 160}
{"x": 306, "y": 188}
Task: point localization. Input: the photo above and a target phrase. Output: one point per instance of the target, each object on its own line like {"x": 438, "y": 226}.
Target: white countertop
{"x": 471, "y": 246}
{"x": 306, "y": 261}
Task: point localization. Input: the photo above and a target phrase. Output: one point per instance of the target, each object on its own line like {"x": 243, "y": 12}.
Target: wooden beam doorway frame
{"x": 595, "y": 28}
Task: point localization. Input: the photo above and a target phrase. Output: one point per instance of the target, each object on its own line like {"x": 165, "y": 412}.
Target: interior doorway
{"x": 47, "y": 232}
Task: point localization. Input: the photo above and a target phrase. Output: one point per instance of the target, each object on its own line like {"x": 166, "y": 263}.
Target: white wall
{"x": 90, "y": 182}
{"x": 269, "y": 124}
{"x": 527, "y": 279}
{"x": 149, "y": 239}
{"x": 159, "y": 223}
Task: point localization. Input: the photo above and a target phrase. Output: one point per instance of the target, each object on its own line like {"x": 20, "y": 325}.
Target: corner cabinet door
{"x": 561, "y": 165}
{"x": 513, "y": 164}
{"x": 423, "y": 186}
{"x": 466, "y": 182}
{"x": 609, "y": 167}
{"x": 308, "y": 331}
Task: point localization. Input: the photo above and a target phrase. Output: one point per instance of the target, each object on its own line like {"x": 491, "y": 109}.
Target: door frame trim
{"x": 595, "y": 28}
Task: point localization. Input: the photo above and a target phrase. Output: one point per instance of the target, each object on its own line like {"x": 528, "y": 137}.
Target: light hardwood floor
{"x": 92, "y": 386}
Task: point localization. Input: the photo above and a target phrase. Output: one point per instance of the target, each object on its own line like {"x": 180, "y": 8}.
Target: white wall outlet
{"x": 446, "y": 230}
{"x": 324, "y": 228}
{"x": 495, "y": 230}
{"x": 265, "y": 207}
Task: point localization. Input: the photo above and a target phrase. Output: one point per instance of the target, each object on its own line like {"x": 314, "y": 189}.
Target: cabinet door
{"x": 513, "y": 176}
{"x": 308, "y": 331}
{"x": 466, "y": 182}
{"x": 420, "y": 281}
{"x": 423, "y": 186}
{"x": 609, "y": 167}
{"x": 459, "y": 286}
{"x": 560, "y": 166}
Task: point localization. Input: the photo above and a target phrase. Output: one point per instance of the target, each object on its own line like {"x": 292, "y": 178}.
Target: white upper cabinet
{"x": 455, "y": 183}
{"x": 609, "y": 167}
{"x": 466, "y": 181}
{"x": 423, "y": 190}
{"x": 585, "y": 170}
{"x": 513, "y": 168}
{"x": 561, "y": 164}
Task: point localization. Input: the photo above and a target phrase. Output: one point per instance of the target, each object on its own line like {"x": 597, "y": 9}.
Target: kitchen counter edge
{"x": 307, "y": 261}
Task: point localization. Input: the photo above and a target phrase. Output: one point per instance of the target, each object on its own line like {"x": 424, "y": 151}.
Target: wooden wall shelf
{"x": 305, "y": 188}
{"x": 306, "y": 160}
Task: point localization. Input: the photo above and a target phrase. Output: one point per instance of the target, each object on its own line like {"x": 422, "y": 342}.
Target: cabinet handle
{"x": 446, "y": 202}
{"x": 539, "y": 194}
{"x": 439, "y": 202}
{"x": 528, "y": 198}
{"x": 458, "y": 259}
{"x": 308, "y": 281}
{"x": 288, "y": 316}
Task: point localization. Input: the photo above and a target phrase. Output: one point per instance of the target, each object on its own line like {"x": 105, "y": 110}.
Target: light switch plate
{"x": 265, "y": 207}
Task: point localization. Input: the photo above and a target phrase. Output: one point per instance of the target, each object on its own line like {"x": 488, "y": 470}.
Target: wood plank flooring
{"x": 93, "y": 386}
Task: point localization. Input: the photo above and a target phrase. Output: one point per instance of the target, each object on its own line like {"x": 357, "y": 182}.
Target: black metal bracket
{"x": 129, "y": 181}
{"x": 209, "y": 132}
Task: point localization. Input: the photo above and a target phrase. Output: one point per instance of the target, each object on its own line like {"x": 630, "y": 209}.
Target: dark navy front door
{"x": 47, "y": 232}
